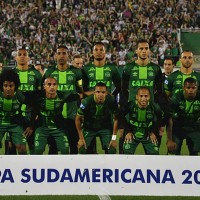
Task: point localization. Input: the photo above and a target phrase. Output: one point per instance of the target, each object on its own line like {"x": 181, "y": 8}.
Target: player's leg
{"x": 41, "y": 135}
{"x": 18, "y": 138}
{"x": 72, "y": 135}
{"x": 149, "y": 147}
{"x": 129, "y": 148}
{"x": 10, "y": 148}
{"x": 88, "y": 136}
{"x": 61, "y": 140}
{"x": 193, "y": 141}
{"x": 105, "y": 137}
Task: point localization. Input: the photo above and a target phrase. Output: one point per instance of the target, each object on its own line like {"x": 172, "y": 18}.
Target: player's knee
{"x": 21, "y": 149}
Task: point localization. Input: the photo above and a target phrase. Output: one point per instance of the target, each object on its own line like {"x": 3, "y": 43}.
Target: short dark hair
{"x": 11, "y": 76}
{"x": 62, "y": 47}
{"x": 169, "y": 58}
{"x": 141, "y": 40}
{"x": 190, "y": 80}
{"x": 143, "y": 88}
{"x": 100, "y": 84}
{"x": 50, "y": 77}
{"x": 99, "y": 43}
{"x": 186, "y": 50}
{"x": 22, "y": 48}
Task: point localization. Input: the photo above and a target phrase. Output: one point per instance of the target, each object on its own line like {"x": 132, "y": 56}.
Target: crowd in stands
{"x": 42, "y": 25}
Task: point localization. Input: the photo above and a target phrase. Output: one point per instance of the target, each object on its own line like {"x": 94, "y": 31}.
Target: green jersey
{"x": 135, "y": 76}
{"x": 30, "y": 80}
{"x": 141, "y": 122}
{"x": 67, "y": 83}
{"x": 107, "y": 74}
{"x": 11, "y": 108}
{"x": 50, "y": 110}
{"x": 174, "y": 82}
{"x": 98, "y": 116}
{"x": 30, "y": 84}
{"x": 67, "y": 79}
{"x": 186, "y": 113}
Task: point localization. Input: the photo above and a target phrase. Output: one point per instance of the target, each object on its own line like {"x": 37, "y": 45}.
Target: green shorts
{"x": 192, "y": 136}
{"x": 149, "y": 147}
{"x": 105, "y": 136}
{"x": 42, "y": 134}
{"x": 14, "y": 132}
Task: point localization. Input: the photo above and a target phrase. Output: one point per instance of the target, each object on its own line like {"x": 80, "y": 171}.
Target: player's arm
{"x": 171, "y": 145}
{"x": 113, "y": 141}
{"x": 78, "y": 121}
{"x": 80, "y": 88}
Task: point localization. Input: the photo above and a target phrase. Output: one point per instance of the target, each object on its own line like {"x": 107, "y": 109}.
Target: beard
{"x": 99, "y": 59}
{"x": 143, "y": 58}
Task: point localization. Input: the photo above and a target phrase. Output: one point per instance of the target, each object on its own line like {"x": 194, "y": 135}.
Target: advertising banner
{"x": 100, "y": 175}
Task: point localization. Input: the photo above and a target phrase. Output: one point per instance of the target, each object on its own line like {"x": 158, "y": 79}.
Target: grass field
{"x": 93, "y": 198}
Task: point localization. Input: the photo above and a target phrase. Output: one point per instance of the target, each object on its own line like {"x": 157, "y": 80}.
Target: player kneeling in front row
{"x": 50, "y": 105}
{"x": 143, "y": 120}
{"x": 11, "y": 120}
{"x": 97, "y": 116}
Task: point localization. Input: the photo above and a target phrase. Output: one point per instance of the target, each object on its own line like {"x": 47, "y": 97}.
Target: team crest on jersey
{"x": 196, "y": 108}
{"x": 70, "y": 78}
{"x": 31, "y": 78}
{"x": 57, "y": 105}
{"x": 16, "y": 106}
{"x": 149, "y": 116}
{"x": 150, "y": 73}
{"x": 166, "y": 82}
{"x": 107, "y": 74}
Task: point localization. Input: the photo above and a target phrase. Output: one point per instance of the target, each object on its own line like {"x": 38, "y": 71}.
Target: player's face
{"x": 143, "y": 97}
{"x": 61, "y": 56}
{"x": 190, "y": 90}
{"x": 143, "y": 50}
{"x": 50, "y": 86}
{"x": 99, "y": 52}
{"x": 100, "y": 94}
{"x": 78, "y": 62}
{"x": 187, "y": 59}
{"x": 168, "y": 67}
{"x": 22, "y": 57}
{"x": 8, "y": 89}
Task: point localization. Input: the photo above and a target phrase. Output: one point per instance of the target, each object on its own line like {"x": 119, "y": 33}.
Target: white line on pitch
{"x": 104, "y": 197}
